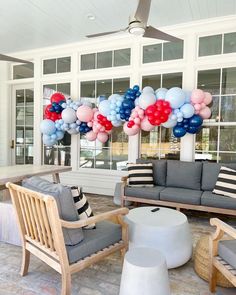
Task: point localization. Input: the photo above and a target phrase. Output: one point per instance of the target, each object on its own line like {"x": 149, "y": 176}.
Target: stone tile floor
{"x": 102, "y": 278}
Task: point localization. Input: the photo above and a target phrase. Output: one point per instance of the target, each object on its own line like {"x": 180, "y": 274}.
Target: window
{"x": 105, "y": 59}
{"x": 57, "y": 65}
{"x": 60, "y": 154}
{"x": 163, "y": 52}
{"x": 23, "y": 71}
{"x": 114, "y": 153}
{"x": 160, "y": 143}
{"x": 212, "y": 45}
{"x": 217, "y": 140}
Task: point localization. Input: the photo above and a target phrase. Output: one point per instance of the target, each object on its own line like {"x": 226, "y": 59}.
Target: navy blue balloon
{"x": 179, "y": 131}
{"x": 136, "y": 88}
{"x": 195, "y": 121}
{"x": 192, "y": 129}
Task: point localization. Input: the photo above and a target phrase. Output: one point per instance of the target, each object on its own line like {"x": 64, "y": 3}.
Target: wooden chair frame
{"x": 41, "y": 233}
{"x": 216, "y": 263}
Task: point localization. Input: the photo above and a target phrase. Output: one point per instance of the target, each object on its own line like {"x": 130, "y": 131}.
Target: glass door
{"x": 23, "y": 125}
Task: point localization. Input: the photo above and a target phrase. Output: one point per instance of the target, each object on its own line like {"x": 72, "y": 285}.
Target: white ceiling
{"x": 29, "y": 24}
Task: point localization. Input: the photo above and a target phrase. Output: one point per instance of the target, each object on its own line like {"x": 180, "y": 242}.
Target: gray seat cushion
{"x": 212, "y": 200}
{"x": 105, "y": 234}
{"x": 181, "y": 195}
{"x": 210, "y": 173}
{"x": 159, "y": 170}
{"x": 184, "y": 174}
{"x": 65, "y": 204}
{"x": 227, "y": 251}
{"x": 144, "y": 192}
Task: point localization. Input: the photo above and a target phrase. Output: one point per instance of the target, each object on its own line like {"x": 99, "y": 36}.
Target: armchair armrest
{"x": 221, "y": 228}
{"x": 124, "y": 179}
{"x": 94, "y": 219}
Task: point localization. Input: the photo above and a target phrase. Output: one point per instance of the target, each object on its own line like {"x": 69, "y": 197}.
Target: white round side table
{"x": 144, "y": 273}
{"x": 166, "y": 230}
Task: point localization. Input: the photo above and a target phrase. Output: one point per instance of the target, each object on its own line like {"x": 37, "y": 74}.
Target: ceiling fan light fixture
{"x": 138, "y": 31}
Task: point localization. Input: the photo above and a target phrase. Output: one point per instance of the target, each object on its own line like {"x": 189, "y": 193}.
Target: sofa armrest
{"x": 124, "y": 180}
{"x": 221, "y": 229}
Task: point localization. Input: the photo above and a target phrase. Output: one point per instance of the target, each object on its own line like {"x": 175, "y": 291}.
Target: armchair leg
{"x": 212, "y": 279}
{"x": 25, "y": 261}
{"x": 66, "y": 283}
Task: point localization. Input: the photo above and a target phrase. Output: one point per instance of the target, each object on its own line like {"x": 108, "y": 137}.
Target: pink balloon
{"x": 91, "y": 136}
{"x": 205, "y": 113}
{"x": 203, "y": 105}
{"x": 146, "y": 125}
{"x": 131, "y": 131}
{"x": 197, "y": 107}
{"x": 197, "y": 96}
{"x": 141, "y": 112}
{"x": 137, "y": 121}
{"x": 84, "y": 113}
{"x": 102, "y": 137}
{"x": 90, "y": 124}
{"x": 208, "y": 98}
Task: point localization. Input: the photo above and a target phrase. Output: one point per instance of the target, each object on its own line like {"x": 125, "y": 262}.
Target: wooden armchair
{"x": 218, "y": 262}
{"x": 42, "y": 235}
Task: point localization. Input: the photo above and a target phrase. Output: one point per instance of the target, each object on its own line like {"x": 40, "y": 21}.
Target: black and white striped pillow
{"x": 82, "y": 206}
{"x": 140, "y": 175}
{"x": 226, "y": 183}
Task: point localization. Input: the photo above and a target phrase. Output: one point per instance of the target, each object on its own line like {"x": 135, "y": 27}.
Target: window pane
{"x": 122, "y": 57}
{"x": 29, "y": 116}
{"x": 87, "y": 158}
{"x": 20, "y": 135}
{"x": 64, "y": 157}
{"x": 172, "y": 80}
{"x": 120, "y": 85}
{"x": 209, "y": 80}
{"x": 169, "y": 141}
{"x": 102, "y": 159}
{"x": 87, "y": 89}
{"x": 48, "y": 90}
{"x": 152, "y": 53}
{"x": 228, "y": 109}
{"x": 63, "y": 64}
{"x": 66, "y": 140}
{"x": 20, "y": 97}
{"x": 87, "y": 61}
{"x": 20, "y": 116}
{"x": 154, "y": 81}
{"x": 29, "y": 135}
{"x": 230, "y": 42}
{"x": 229, "y": 81}
{"x": 19, "y": 154}
{"x": 119, "y": 149}
{"x": 49, "y": 66}
{"x": 214, "y": 106}
{"x": 210, "y": 45}
{"x": 29, "y": 154}
{"x": 228, "y": 138}
{"x": 29, "y": 97}
{"x": 104, "y": 59}
{"x": 150, "y": 143}
{"x": 206, "y": 139}
{"x": 206, "y": 156}
{"x": 104, "y": 87}
{"x": 23, "y": 71}
{"x": 227, "y": 157}
{"x": 64, "y": 88}
{"x": 173, "y": 50}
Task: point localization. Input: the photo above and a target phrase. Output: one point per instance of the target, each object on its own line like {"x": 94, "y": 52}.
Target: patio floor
{"x": 102, "y": 278}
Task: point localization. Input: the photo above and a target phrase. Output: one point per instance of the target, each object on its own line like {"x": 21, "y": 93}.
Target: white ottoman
{"x": 144, "y": 273}
{"x": 166, "y": 230}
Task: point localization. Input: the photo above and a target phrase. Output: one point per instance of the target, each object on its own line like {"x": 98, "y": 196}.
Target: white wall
{"x": 103, "y": 181}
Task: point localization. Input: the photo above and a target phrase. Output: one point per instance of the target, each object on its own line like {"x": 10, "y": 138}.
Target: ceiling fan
{"x": 138, "y": 25}
{"x": 13, "y": 59}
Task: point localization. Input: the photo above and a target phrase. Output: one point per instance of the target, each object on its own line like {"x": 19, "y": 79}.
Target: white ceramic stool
{"x": 144, "y": 273}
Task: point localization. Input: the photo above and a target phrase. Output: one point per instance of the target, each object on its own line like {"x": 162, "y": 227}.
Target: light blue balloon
{"x": 161, "y": 93}
{"x": 179, "y": 115}
{"x": 180, "y": 119}
{"x": 176, "y": 97}
{"x": 119, "y": 103}
{"x": 117, "y": 110}
{"x": 176, "y": 111}
{"x": 113, "y": 112}
{"x": 116, "y": 123}
{"x": 187, "y": 96}
{"x": 47, "y": 127}
{"x": 187, "y": 110}
{"x": 60, "y": 134}
{"x": 136, "y": 102}
{"x": 73, "y": 125}
{"x": 109, "y": 117}
{"x": 48, "y": 141}
{"x": 173, "y": 117}
{"x": 170, "y": 123}
{"x": 54, "y": 136}
{"x": 104, "y": 107}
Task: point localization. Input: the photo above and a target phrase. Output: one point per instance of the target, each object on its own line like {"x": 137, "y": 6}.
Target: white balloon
{"x": 146, "y": 99}
{"x": 68, "y": 115}
{"x": 148, "y": 89}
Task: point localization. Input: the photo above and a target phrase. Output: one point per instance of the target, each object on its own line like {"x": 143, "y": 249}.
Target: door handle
{"x": 12, "y": 144}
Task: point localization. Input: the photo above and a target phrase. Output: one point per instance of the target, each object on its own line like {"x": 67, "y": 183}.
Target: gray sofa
{"x": 182, "y": 185}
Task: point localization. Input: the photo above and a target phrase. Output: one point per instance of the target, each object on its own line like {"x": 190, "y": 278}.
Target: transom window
{"x": 57, "y": 65}
{"x": 23, "y": 71}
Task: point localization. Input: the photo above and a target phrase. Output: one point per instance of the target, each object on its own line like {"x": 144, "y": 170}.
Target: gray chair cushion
{"x": 65, "y": 204}
{"x": 105, "y": 234}
{"x": 159, "y": 170}
{"x": 212, "y": 200}
{"x": 144, "y": 192}
{"x": 181, "y": 195}
{"x": 184, "y": 174}
{"x": 227, "y": 251}
{"x": 210, "y": 173}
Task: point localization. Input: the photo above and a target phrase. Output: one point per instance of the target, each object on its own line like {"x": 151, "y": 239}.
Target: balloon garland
{"x": 136, "y": 110}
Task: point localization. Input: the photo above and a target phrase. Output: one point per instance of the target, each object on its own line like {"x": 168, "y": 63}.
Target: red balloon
{"x": 99, "y": 116}
{"x": 47, "y": 109}
{"x": 160, "y": 102}
{"x": 150, "y": 109}
{"x": 57, "y": 97}
{"x": 166, "y": 104}
{"x": 158, "y": 113}
{"x": 130, "y": 124}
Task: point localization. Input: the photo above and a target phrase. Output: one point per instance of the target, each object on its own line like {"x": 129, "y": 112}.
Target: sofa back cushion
{"x": 184, "y": 174}
{"x": 65, "y": 205}
{"x": 210, "y": 172}
{"x": 159, "y": 170}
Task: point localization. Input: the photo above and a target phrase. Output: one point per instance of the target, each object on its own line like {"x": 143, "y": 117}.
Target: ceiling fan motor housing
{"x": 136, "y": 27}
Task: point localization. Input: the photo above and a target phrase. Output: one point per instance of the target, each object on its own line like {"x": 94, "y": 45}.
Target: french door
{"x": 23, "y": 124}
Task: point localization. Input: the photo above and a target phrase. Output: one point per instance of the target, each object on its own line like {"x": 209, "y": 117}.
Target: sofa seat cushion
{"x": 184, "y": 174}
{"x": 105, "y": 234}
{"x": 181, "y": 195}
{"x": 227, "y": 251}
{"x": 144, "y": 192}
{"x": 219, "y": 201}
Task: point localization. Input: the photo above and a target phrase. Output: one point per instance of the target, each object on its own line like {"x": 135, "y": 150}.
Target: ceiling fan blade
{"x": 142, "y": 12}
{"x": 13, "y": 59}
{"x": 152, "y": 32}
{"x": 105, "y": 33}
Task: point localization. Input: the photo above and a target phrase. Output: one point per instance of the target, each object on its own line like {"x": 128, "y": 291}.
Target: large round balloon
{"x": 146, "y": 99}
{"x": 102, "y": 137}
{"x": 148, "y": 89}
{"x": 146, "y": 125}
{"x": 57, "y": 97}
{"x": 170, "y": 123}
{"x": 131, "y": 131}
{"x": 187, "y": 110}
{"x": 68, "y": 115}
{"x": 84, "y": 113}
{"x": 197, "y": 96}
{"x": 176, "y": 97}
{"x": 195, "y": 121}
{"x": 47, "y": 127}
{"x": 161, "y": 93}
{"x": 104, "y": 107}
{"x": 179, "y": 131}
{"x": 48, "y": 141}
